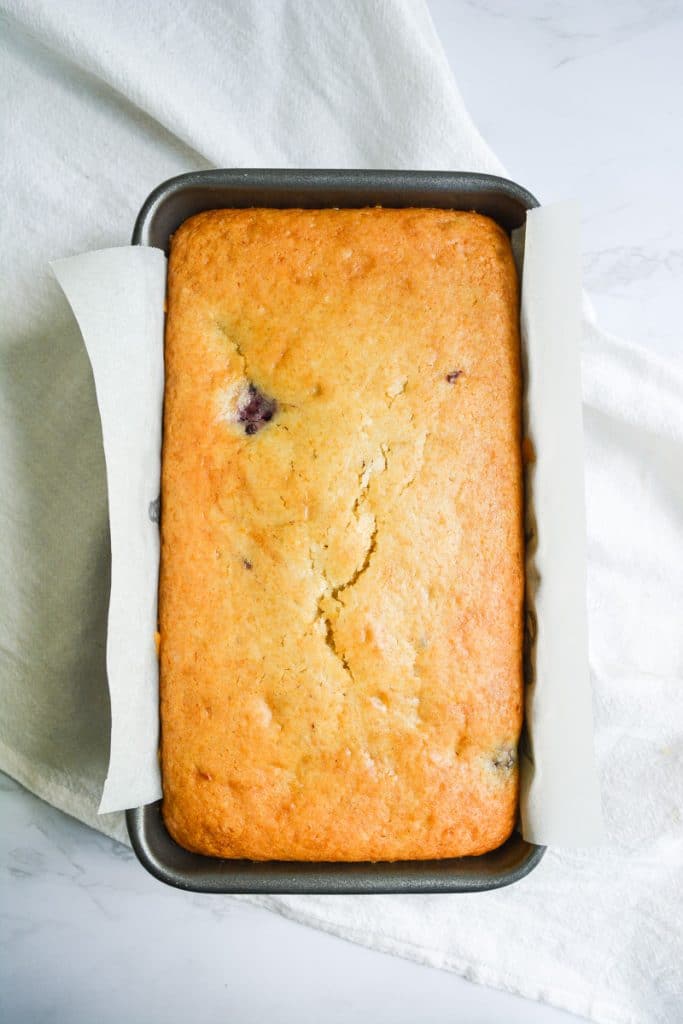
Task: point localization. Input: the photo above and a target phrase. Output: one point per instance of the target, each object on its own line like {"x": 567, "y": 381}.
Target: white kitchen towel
{"x": 101, "y": 102}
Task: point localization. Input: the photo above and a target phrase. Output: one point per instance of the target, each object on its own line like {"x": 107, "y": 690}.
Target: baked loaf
{"x": 342, "y": 554}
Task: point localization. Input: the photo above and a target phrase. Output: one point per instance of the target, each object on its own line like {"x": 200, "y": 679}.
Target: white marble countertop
{"x": 578, "y": 100}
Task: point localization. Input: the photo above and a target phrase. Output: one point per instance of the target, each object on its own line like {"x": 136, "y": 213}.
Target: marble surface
{"x": 578, "y": 100}
{"x": 581, "y": 100}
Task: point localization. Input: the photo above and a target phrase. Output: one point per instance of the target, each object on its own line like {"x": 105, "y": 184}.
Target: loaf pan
{"x": 163, "y": 212}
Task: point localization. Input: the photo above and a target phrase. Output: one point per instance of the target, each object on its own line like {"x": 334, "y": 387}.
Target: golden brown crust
{"x": 341, "y": 590}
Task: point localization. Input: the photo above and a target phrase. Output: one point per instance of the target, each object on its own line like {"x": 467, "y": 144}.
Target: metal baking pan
{"x": 162, "y": 213}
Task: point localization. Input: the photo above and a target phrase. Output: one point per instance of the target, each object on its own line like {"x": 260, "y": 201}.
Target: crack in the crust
{"x": 409, "y": 483}
{"x": 396, "y": 391}
{"x": 353, "y": 579}
{"x": 332, "y": 594}
{"x": 249, "y": 384}
{"x": 373, "y": 468}
{"x": 332, "y": 644}
{"x": 230, "y": 338}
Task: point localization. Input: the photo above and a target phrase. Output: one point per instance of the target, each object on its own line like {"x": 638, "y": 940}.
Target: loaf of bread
{"x": 341, "y": 587}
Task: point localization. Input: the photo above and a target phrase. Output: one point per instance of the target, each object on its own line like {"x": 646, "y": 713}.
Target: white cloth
{"x": 102, "y": 102}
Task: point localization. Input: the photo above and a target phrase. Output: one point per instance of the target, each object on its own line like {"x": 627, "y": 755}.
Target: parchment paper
{"x": 117, "y": 296}
{"x": 560, "y": 796}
